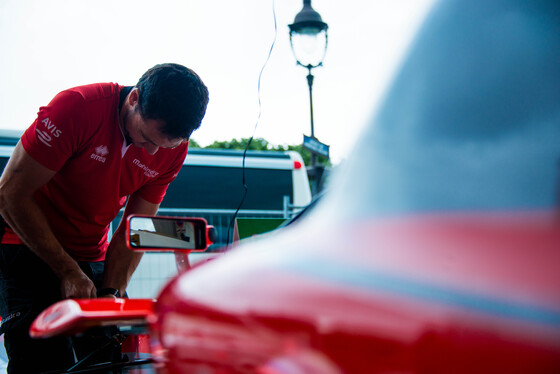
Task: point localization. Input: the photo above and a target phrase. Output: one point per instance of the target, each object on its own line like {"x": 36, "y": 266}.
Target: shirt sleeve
{"x": 53, "y": 137}
{"x": 154, "y": 192}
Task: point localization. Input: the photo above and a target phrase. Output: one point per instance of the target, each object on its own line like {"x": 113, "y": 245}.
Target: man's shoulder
{"x": 94, "y": 92}
{"x": 86, "y": 103}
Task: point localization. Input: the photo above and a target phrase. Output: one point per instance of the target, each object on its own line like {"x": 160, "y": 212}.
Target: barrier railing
{"x": 156, "y": 268}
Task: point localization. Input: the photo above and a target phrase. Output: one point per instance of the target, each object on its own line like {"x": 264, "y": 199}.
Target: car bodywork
{"x": 434, "y": 294}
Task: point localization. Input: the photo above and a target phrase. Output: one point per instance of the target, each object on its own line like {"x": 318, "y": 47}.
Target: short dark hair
{"x": 174, "y": 94}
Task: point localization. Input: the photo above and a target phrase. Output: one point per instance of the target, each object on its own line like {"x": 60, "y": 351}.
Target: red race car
{"x": 436, "y": 248}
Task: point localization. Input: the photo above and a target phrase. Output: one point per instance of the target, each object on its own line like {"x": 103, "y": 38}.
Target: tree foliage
{"x": 260, "y": 144}
{"x": 193, "y": 143}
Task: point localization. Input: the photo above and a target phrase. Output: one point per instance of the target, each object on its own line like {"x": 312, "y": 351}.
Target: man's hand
{"x": 76, "y": 285}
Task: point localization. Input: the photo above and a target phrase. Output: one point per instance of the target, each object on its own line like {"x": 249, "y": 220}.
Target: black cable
{"x": 245, "y": 188}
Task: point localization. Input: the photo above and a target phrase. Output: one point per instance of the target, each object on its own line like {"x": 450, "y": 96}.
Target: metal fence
{"x": 156, "y": 269}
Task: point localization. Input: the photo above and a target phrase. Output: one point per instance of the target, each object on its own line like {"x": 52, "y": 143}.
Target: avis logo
{"x": 100, "y": 153}
{"x": 49, "y": 131}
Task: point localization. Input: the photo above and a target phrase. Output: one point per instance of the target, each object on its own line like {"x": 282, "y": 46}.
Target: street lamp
{"x": 309, "y": 39}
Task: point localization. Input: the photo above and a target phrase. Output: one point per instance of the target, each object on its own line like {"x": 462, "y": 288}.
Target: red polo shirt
{"x": 78, "y": 135}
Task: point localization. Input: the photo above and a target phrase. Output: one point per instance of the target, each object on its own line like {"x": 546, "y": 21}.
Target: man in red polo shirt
{"x": 92, "y": 150}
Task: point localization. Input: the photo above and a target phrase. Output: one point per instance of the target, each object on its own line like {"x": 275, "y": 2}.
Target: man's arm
{"x": 22, "y": 177}
{"x": 120, "y": 262}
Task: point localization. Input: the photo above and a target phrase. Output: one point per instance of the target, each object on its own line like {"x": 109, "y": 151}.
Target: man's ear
{"x": 133, "y": 97}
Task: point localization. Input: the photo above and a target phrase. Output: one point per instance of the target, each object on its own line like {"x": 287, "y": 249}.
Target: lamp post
{"x": 309, "y": 39}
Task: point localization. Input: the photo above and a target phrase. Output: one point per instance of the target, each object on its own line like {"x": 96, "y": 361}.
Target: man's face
{"x": 145, "y": 133}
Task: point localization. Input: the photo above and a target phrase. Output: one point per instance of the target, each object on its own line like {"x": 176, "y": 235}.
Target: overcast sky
{"x": 47, "y": 46}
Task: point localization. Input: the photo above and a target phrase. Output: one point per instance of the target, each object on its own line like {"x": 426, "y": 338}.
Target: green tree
{"x": 260, "y": 144}
{"x": 193, "y": 143}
